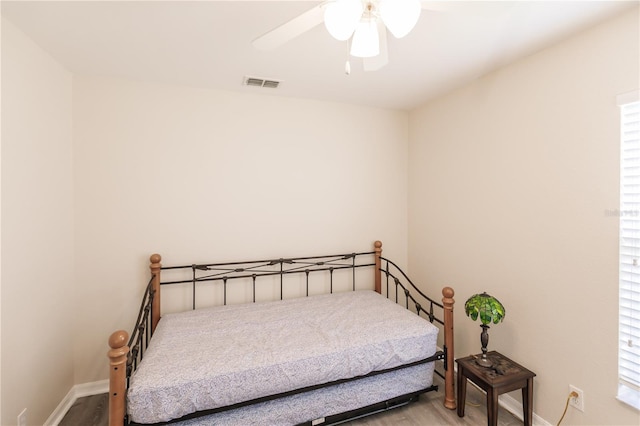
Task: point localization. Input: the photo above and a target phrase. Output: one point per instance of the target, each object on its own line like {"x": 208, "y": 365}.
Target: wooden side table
{"x": 504, "y": 376}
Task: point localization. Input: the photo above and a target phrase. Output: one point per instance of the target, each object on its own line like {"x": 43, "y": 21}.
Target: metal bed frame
{"x": 126, "y": 352}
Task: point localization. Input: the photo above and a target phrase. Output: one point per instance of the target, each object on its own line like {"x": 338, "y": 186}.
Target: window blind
{"x": 629, "y": 327}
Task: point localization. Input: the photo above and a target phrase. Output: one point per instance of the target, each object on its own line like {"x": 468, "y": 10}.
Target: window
{"x": 629, "y": 213}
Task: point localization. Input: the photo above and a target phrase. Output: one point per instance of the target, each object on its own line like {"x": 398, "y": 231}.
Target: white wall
{"x": 38, "y": 304}
{"x": 510, "y": 179}
{"x": 201, "y": 175}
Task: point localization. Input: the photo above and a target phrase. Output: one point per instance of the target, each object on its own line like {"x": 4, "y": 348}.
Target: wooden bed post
{"x": 378, "y": 274}
{"x": 117, "y": 376}
{"x": 155, "y": 273}
{"x": 447, "y": 302}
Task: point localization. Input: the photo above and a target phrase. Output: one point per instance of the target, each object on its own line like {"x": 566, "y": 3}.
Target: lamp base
{"x": 483, "y": 361}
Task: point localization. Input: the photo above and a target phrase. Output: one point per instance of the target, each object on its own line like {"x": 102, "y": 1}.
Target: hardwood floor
{"x": 428, "y": 410}
{"x": 92, "y": 411}
{"x": 88, "y": 411}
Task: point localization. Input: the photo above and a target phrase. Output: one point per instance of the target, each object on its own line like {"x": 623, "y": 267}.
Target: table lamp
{"x": 489, "y": 310}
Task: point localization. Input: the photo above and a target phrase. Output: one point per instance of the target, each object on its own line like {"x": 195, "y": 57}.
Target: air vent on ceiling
{"x": 261, "y": 82}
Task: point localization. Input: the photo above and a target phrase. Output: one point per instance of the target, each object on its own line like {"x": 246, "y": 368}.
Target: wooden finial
{"x": 448, "y": 293}
{"x": 155, "y": 258}
{"x": 118, "y": 339}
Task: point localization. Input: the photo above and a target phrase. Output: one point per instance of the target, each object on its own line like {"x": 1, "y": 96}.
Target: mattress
{"x": 215, "y": 357}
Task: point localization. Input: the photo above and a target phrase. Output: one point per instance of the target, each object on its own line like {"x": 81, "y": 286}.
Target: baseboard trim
{"x": 77, "y": 391}
{"x": 513, "y": 406}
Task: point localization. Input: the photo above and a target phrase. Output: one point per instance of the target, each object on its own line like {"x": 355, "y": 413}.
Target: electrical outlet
{"x": 22, "y": 418}
{"x": 576, "y": 401}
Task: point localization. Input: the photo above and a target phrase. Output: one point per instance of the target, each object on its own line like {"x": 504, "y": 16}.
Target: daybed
{"x": 305, "y": 358}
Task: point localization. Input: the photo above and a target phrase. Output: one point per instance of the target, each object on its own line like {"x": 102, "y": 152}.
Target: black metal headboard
{"x": 253, "y": 270}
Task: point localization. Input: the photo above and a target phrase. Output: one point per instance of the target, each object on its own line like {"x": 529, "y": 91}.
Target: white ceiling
{"x": 208, "y": 44}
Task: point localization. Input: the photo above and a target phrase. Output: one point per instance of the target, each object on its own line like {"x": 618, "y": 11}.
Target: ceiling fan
{"x": 363, "y": 23}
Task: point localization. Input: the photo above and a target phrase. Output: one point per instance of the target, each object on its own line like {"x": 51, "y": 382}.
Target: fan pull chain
{"x": 347, "y": 65}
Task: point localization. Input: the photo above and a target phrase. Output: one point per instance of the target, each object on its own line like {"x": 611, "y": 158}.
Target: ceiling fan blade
{"x": 290, "y": 30}
{"x": 374, "y": 63}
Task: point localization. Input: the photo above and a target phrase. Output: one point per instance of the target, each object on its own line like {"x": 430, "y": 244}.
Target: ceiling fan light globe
{"x": 366, "y": 40}
{"x": 341, "y": 18}
{"x": 400, "y": 16}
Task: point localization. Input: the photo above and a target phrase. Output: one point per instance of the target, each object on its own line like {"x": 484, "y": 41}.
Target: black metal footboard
{"x": 141, "y": 333}
{"x": 398, "y": 284}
